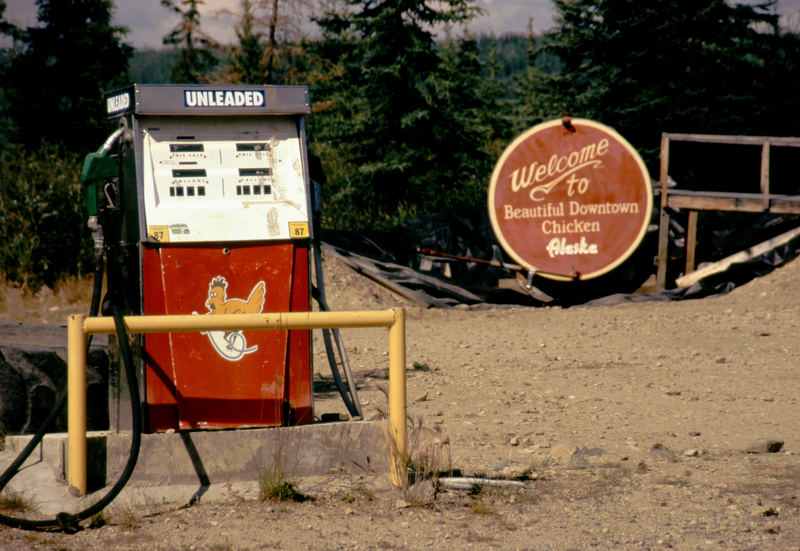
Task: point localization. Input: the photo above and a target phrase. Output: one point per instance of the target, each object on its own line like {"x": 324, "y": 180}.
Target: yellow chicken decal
{"x": 219, "y": 303}
{"x": 232, "y": 345}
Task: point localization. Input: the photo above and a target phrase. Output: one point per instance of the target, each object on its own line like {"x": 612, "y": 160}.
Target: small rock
{"x": 401, "y": 504}
{"x": 765, "y": 445}
{"x": 593, "y": 457}
{"x": 659, "y": 451}
{"x": 519, "y": 473}
{"x": 694, "y": 433}
{"x": 422, "y": 492}
{"x": 772, "y": 528}
{"x": 514, "y": 441}
{"x": 692, "y": 453}
{"x": 578, "y": 462}
{"x": 562, "y": 453}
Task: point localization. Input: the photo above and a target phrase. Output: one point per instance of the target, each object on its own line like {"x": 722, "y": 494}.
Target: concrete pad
{"x": 181, "y": 467}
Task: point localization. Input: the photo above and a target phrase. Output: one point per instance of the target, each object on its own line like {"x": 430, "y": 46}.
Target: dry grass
{"x": 274, "y": 483}
{"x": 427, "y": 457}
{"x": 13, "y": 503}
{"x": 70, "y": 296}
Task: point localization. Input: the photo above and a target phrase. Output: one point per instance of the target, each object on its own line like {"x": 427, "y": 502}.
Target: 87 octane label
{"x": 298, "y": 230}
{"x": 158, "y": 233}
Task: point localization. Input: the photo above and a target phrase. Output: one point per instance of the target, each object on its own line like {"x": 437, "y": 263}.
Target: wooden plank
{"x": 691, "y": 241}
{"x": 742, "y": 202}
{"x": 741, "y": 256}
{"x": 717, "y": 194}
{"x": 753, "y": 203}
{"x": 784, "y": 207}
{"x": 765, "y": 174}
{"x": 663, "y": 219}
{"x": 371, "y": 269}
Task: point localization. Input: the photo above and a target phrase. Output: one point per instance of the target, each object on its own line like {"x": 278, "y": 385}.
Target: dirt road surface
{"x": 633, "y": 426}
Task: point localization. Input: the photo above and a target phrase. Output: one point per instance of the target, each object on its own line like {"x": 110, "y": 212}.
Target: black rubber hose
{"x": 349, "y": 394}
{"x": 68, "y": 521}
{"x": 11, "y": 470}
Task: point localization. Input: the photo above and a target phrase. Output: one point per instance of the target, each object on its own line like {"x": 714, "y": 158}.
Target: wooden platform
{"x": 694, "y": 201}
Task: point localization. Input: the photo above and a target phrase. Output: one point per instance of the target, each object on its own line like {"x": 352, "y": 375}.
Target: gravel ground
{"x": 628, "y": 427}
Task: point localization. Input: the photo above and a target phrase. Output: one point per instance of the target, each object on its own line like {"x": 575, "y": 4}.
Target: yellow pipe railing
{"x": 79, "y": 326}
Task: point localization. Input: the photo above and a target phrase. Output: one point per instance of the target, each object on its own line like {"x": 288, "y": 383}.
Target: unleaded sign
{"x": 570, "y": 199}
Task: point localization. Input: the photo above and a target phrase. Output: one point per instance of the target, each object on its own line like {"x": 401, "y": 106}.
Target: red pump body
{"x": 217, "y": 380}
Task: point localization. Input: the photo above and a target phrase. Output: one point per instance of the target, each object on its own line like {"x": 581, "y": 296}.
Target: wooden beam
{"x": 663, "y": 219}
{"x": 700, "y": 201}
{"x": 784, "y": 204}
{"x": 741, "y": 256}
{"x": 765, "y": 174}
{"x": 735, "y": 202}
{"x": 691, "y": 241}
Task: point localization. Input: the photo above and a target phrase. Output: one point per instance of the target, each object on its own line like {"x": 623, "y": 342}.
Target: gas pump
{"x": 201, "y": 202}
{"x": 209, "y": 212}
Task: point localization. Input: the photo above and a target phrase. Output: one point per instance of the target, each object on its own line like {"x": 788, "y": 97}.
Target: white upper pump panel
{"x": 223, "y": 179}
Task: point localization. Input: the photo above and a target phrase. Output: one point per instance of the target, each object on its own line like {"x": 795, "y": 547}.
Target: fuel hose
{"x": 68, "y": 522}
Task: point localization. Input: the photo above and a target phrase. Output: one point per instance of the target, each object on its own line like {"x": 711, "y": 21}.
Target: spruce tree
{"x": 196, "y": 50}
{"x": 666, "y": 65}
{"x": 385, "y": 108}
{"x": 54, "y": 82}
{"x": 245, "y": 63}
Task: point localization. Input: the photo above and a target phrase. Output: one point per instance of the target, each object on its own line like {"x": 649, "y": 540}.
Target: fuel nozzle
{"x": 97, "y": 235}
{"x": 98, "y": 168}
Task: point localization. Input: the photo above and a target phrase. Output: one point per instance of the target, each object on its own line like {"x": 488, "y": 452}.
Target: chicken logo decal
{"x": 232, "y": 345}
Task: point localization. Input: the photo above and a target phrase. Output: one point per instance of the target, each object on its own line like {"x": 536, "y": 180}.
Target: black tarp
{"x": 409, "y": 260}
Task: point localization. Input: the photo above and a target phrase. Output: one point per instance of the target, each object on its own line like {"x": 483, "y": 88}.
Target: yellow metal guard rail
{"x": 79, "y": 326}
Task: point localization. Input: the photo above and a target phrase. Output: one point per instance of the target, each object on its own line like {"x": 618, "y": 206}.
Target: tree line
{"x": 409, "y": 110}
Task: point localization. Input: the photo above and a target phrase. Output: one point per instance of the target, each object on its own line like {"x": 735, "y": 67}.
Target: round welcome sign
{"x": 570, "y": 199}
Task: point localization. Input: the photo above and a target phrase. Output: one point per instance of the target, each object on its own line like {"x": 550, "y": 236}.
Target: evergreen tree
{"x": 6, "y": 28}
{"x": 246, "y": 59}
{"x": 781, "y": 89}
{"x": 152, "y": 66}
{"x": 385, "y": 108}
{"x": 665, "y": 65}
{"x": 53, "y": 85}
{"x": 284, "y": 22}
{"x": 249, "y": 57}
{"x": 6, "y": 124}
{"x": 268, "y": 49}
{"x": 469, "y": 125}
{"x": 196, "y": 50}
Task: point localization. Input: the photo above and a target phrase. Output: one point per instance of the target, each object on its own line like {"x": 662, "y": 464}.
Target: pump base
{"x": 176, "y": 467}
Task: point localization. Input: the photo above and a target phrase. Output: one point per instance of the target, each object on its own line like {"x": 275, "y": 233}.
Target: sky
{"x": 149, "y": 22}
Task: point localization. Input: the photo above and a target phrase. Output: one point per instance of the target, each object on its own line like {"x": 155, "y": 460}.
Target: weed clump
{"x": 273, "y": 486}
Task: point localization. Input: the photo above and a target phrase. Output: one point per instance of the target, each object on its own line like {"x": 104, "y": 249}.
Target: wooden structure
{"x": 694, "y": 201}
